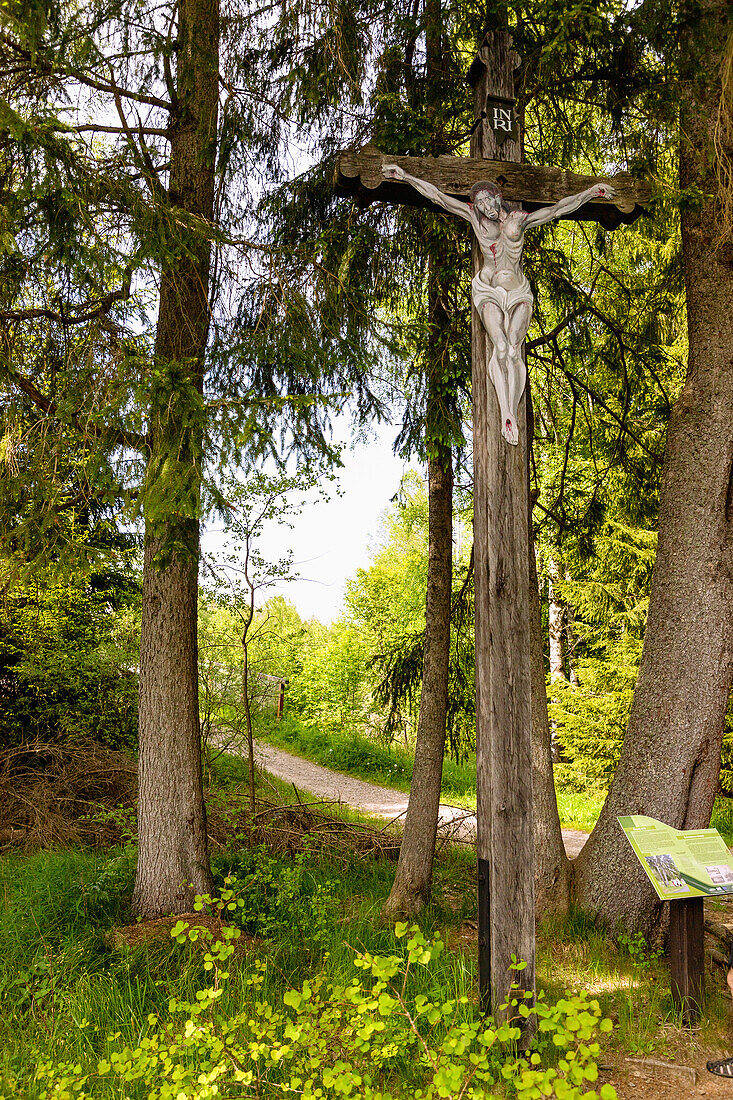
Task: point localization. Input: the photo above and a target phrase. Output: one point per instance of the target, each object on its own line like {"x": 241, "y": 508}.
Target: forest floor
{"x": 455, "y": 823}
{"x": 80, "y": 979}
{"x": 652, "y": 1079}
{"x": 679, "y": 1073}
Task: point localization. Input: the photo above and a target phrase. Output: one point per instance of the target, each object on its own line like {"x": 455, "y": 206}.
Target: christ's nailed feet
{"x": 723, "y": 1068}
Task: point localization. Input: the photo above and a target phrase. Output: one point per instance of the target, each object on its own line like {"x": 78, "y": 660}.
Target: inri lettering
{"x": 502, "y": 119}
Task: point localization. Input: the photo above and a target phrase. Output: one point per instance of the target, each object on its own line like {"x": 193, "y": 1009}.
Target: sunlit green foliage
{"x": 364, "y": 671}
{"x": 350, "y": 1038}
{"x": 68, "y": 661}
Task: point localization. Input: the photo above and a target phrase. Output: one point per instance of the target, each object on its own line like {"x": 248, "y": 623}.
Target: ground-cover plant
{"x": 631, "y": 980}
{"x": 376, "y": 1035}
{"x": 87, "y": 986}
{"x": 642, "y": 957}
{"x": 75, "y": 987}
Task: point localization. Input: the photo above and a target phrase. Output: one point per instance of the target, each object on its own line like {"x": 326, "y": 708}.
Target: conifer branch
{"x": 116, "y": 437}
{"x": 559, "y": 327}
{"x": 155, "y": 131}
{"x": 90, "y": 310}
{"x": 149, "y": 171}
{"x": 49, "y": 68}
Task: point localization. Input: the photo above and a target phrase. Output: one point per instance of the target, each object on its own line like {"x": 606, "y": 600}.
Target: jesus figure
{"x": 501, "y": 292}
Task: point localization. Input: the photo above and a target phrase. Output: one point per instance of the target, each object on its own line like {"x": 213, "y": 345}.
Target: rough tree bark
{"x": 414, "y": 875}
{"x": 173, "y": 861}
{"x": 671, "y": 754}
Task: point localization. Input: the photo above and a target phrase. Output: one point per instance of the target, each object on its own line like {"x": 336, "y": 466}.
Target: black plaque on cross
{"x": 505, "y": 846}
{"x": 501, "y": 116}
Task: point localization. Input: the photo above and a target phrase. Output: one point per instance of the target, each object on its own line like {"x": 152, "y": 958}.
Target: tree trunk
{"x": 173, "y": 862}
{"x": 413, "y": 879}
{"x": 571, "y": 641}
{"x": 556, "y": 632}
{"x": 671, "y": 754}
{"x": 556, "y": 621}
{"x": 552, "y": 871}
{"x": 414, "y": 875}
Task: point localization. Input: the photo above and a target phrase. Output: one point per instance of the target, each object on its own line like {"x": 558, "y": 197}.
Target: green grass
{"x": 354, "y": 754}
{"x": 632, "y": 983}
{"x": 67, "y": 994}
{"x": 722, "y": 818}
{"x": 578, "y": 809}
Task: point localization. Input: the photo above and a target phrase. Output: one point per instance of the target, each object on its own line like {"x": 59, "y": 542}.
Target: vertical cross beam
{"x": 501, "y": 546}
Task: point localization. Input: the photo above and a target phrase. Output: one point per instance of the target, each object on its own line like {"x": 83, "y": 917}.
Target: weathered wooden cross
{"x": 501, "y": 488}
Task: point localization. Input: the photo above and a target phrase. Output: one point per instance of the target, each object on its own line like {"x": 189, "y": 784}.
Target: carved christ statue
{"x": 501, "y": 292}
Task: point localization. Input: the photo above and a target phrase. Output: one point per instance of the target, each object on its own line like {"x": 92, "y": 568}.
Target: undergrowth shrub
{"x": 107, "y": 893}
{"x": 66, "y": 664}
{"x": 726, "y": 756}
{"x": 373, "y": 1036}
{"x": 277, "y": 899}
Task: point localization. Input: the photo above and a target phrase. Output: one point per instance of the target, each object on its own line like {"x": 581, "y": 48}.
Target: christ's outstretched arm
{"x": 430, "y": 191}
{"x": 568, "y": 205}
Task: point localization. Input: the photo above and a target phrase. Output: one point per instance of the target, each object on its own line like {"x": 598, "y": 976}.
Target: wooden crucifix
{"x": 486, "y": 189}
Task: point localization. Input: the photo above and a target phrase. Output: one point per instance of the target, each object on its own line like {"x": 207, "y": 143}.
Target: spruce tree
{"x": 131, "y": 197}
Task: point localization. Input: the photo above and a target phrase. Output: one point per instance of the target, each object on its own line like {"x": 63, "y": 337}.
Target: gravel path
{"x": 371, "y": 799}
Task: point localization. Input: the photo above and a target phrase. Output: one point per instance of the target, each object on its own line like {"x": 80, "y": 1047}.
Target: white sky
{"x": 332, "y": 538}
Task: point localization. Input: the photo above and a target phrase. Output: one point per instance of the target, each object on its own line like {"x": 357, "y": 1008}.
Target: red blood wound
{"x": 493, "y": 251}
{"x": 508, "y": 425}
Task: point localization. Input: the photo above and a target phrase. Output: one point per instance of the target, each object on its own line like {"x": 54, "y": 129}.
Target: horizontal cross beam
{"x": 359, "y": 173}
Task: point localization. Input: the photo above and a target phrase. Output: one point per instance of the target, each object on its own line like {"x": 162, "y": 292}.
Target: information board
{"x": 691, "y": 864}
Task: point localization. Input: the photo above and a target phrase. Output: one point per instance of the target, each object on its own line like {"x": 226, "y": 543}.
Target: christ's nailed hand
{"x": 604, "y": 191}
{"x": 393, "y": 172}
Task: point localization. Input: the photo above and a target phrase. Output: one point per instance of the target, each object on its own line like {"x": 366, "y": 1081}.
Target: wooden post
{"x": 687, "y": 956}
{"x": 501, "y": 511}
{"x": 503, "y": 714}
{"x": 280, "y": 700}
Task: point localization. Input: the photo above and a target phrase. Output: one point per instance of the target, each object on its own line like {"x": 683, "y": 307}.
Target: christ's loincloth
{"x": 484, "y": 293}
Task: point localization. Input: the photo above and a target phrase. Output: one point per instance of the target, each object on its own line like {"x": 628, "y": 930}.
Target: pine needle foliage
{"x": 89, "y": 103}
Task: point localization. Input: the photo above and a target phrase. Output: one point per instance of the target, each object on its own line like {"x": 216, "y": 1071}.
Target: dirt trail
{"x": 380, "y": 801}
